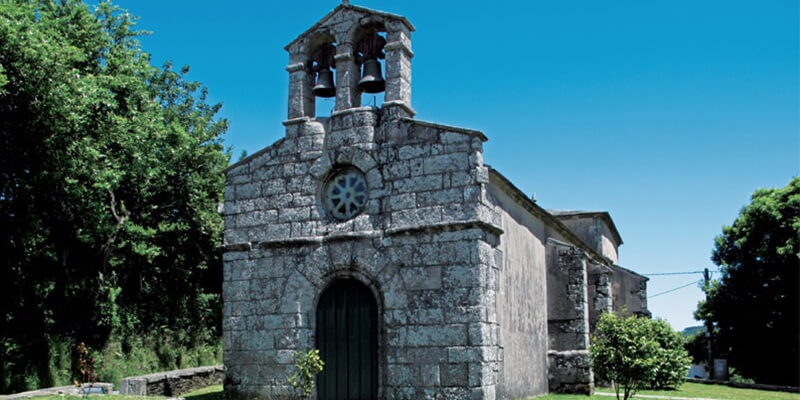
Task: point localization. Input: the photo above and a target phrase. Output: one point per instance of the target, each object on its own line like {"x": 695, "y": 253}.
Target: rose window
{"x": 346, "y": 194}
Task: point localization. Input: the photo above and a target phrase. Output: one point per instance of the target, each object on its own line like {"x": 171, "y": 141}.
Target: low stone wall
{"x": 172, "y": 383}
{"x": 72, "y": 390}
{"x": 759, "y": 386}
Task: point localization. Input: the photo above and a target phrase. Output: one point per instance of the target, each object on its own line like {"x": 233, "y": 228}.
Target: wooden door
{"x": 347, "y": 338}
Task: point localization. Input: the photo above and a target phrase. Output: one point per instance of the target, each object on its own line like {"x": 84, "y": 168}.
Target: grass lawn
{"x": 206, "y": 393}
{"x": 694, "y": 390}
{"x": 98, "y": 397}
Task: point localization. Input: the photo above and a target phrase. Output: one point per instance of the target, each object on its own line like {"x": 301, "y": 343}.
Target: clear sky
{"x": 667, "y": 114}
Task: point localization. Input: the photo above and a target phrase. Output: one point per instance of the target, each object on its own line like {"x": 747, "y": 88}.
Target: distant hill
{"x": 693, "y": 330}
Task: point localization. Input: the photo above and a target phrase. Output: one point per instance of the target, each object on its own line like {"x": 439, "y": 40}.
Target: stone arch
{"x": 318, "y": 38}
{"x": 350, "y": 272}
{"x": 362, "y": 159}
{"x": 356, "y": 157}
{"x": 369, "y": 23}
{"x": 321, "y": 64}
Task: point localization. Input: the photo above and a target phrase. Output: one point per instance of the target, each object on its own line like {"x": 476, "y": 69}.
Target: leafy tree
{"x": 754, "y": 306}
{"x": 634, "y": 353}
{"x": 110, "y": 177}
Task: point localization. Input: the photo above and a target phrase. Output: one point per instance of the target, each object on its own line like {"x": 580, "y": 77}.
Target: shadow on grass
{"x": 205, "y": 396}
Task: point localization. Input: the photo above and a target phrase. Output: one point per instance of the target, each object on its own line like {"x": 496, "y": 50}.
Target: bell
{"x": 371, "y": 80}
{"x": 324, "y": 86}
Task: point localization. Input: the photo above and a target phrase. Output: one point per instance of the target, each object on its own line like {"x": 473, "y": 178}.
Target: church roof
{"x": 604, "y": 215}
{"x": 358, "y": 9}
{"x": 545, "y": 215}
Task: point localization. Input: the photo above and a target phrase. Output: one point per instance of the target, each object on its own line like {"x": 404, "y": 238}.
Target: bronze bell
{"x": 324, "y": 86}
{"x": 371, "y": 79}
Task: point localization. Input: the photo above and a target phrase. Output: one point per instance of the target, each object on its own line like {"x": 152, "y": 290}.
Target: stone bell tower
{"x": 348, "y": 40}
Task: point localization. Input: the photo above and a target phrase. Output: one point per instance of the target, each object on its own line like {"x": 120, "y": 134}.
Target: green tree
{"x": 110, "y": 177}
{"x": 754, "y": 306}
{"x": 634, "y": 353}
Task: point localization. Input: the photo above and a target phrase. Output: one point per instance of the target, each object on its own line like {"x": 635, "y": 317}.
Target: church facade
{"x": 388, "y": 244}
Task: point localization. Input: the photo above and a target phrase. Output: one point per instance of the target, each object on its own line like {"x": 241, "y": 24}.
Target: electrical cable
{"x": 674, "y": 273}
{"x": 677, "y": 288}
{"x": 681, "y": 273}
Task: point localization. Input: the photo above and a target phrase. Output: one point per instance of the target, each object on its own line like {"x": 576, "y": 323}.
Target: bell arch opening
{"x": 322, "y": 65}
{"x": 370, "y": 56}
{"x": 347, "y": 338}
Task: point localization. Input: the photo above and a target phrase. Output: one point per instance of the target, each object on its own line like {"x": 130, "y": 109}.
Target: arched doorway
{"x": 347, "y": 338}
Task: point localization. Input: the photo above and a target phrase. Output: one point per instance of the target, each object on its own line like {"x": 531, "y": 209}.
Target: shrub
{"x": 308, "y": 366}
{"x": 672, "y": 361}
{"x": 636, "y": 353}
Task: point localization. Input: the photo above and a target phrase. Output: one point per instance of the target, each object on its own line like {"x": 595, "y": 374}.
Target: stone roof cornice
{"x": 359, "y": 9}
{"x": 550, "y": 220}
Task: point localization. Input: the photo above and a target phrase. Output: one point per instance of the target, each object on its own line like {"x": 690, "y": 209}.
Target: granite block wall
{"x": 568, "y": 319}
{"x": 424, "y": 244}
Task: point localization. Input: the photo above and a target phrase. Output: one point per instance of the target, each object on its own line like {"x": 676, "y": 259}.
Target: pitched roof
{"x": 544, "y": 215}
{"x": 358, "y": 9}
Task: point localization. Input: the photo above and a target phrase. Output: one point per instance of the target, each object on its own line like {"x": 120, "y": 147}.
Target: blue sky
{"x": 667, "y": 114}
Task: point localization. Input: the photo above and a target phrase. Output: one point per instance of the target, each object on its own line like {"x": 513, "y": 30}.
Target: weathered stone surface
{"x": 71, "y": 390}
{"x": 473, "y": 283}
{"x": 172, "y": 383}
{"x": 570, "y": 372}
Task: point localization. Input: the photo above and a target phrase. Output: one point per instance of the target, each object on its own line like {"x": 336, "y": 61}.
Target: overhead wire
{"x": 675, "y": 273}
{"x": 674, "y": 289}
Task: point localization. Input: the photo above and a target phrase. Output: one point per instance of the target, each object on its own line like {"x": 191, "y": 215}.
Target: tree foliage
{"x": 634, "y": 353}
{"x": 754, "y": 306}
{"x": 110, "y": 176}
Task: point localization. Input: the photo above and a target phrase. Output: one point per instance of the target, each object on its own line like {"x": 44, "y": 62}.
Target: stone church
{"x": 387, "y": 243}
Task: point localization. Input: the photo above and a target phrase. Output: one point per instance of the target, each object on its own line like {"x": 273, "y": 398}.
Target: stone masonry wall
{"x": 171, "y": 383}
{"x": 424, "y": 245}
{"x": 629, "y": 291}
{"x": 599, "y": 290}
{"x": 568, "y": 319}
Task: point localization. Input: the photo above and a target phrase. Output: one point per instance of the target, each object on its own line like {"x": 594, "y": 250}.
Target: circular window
{"x": 345, "y": 194}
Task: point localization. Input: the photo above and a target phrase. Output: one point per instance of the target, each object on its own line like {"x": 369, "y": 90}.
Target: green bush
{"x": 672, "y": 361}
{"x": 308, "y": 366}
{"x": 636, "y": 353}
